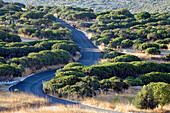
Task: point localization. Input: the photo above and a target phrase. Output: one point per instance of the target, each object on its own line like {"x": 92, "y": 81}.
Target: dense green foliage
{"x": 7, "y": 37}
{"x": 167, "y": 56}
{"x": 43, "y": 58}
{"x": 121, "y": 29}
{"x": 70, "y": 47}
{"x": 114, "y": 56}
{"x": 155, "y": 77}
{"x": 60, "y": 34}
{"x": 2, "y": 60}
{"x": 105, "y": 76}
{"x": 145, "y": 99}
{"x": 19, "y": 49}
{"x": 125, "y": 58}
{"x": 74, "y": 13}
{"x": 161, "y": 92}
{"x": 152, "y": 95}
{"x": 8, "y": 71}
{"x": 153, "y": 51}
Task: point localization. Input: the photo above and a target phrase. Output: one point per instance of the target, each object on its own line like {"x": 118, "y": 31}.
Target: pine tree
{"x": 145, "y": 99}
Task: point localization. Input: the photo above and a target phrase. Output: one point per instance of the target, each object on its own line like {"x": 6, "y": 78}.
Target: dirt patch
{"x": 27, "y": 38}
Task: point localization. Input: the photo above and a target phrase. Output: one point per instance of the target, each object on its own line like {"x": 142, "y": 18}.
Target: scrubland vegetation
{"x": 17, "y": 57}
{"x": 101, "y": 5}
{"x": 143, "y": 32}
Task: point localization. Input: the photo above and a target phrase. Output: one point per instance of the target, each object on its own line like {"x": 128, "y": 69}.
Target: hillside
{"x": 134, "y": 6}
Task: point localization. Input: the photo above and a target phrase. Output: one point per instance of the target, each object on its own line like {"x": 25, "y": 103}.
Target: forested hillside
{"x": 134, "y": 6}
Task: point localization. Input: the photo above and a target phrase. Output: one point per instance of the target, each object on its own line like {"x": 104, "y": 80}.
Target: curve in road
{"x": 90, "y": 56}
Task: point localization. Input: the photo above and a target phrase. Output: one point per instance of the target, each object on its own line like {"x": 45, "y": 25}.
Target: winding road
{"x": 90, "y": 56}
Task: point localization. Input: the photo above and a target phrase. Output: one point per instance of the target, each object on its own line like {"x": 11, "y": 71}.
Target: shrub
{"x": 165, "y": 41}
{"x": 167, "y": 56}
{"x": 144, "y": 67}
{"x": 117, "y": 84}
{"x": 126, "y": 43}
{"x": 7, "y": 37}
{"x": 151, "y": 36}
{"x": 71, "y": 48}
{"x": 8, "y": 70}
{"x": 125, "y": 58}
{"x": 2, "y": 60}
{"x": 163, "y": 46}
{"x": 153, "y": 51}
{"x": 115, "y": 42}
{"x": 145, "y": 99}
{"x": 155, "y": 77}
{"x": 142, "y": 15}
{"x": 144, "y": 46}
{"x": 70, "y": 65}
{"x": 134, "y": 82}
{"x": 112, "y": 54}
{"x": 161, "y": 92}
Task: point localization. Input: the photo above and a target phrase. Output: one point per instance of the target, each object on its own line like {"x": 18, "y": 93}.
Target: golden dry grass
{"x": 55, "y": 109}
{"x": 144, "y": 56}
{"x": 123, "y": 104}
{"x": 27, "y": 37}
{"x": 12, "y": 101}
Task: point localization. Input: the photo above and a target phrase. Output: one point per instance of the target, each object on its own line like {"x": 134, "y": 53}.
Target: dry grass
{"x": 144, "y": 56}
{"x": 123, "y": 104}
{"x": 13, "y": 101}
{"x": 55, "y": 109}
{"x": 24, "y": 36}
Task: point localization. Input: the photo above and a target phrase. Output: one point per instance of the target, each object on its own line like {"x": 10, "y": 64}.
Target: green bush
{"x": 71, "y": 48}
{"x": 125, "y": 58}
{"x": 144, "y": 67}
{"x": 163, "y": 46}
{"x": 165, "y": 41}
{"x": 161, "y": 92}
{"x": 7, "y": 70}
{"x": 43, "y": 58}
{"x": 7, "y": 37}
{"x": 155, "y": 77}
{"x": 142, "y": 15}
{"x": 153, "y": 51}
{"x": 112, "y": 54}
{"x": 70, "y": 65}
{"x": 134, "y": 81}
{"x": 84, "y": 80}
{"x": 167, "y": 56}
{"x": 115, "y": 42}
{"x": 145, "y": 99}
{"x": 2, "y": 60}
{"x": 144, "y": 46}
{"x": 126, "y": 43}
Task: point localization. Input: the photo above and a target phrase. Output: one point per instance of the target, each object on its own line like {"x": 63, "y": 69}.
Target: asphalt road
{"x": 90, "y": 56}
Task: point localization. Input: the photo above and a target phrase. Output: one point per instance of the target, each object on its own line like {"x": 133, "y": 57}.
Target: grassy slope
{"x": 24, "y": 103}
{"x": 12, "y": 101}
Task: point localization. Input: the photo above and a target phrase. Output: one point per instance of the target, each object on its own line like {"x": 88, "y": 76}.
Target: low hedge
{"x": 155, "y": 77}
{"x": 167, "y": 56}
{"x": 153, "y": 51}
{"x": 125, "y": 58}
